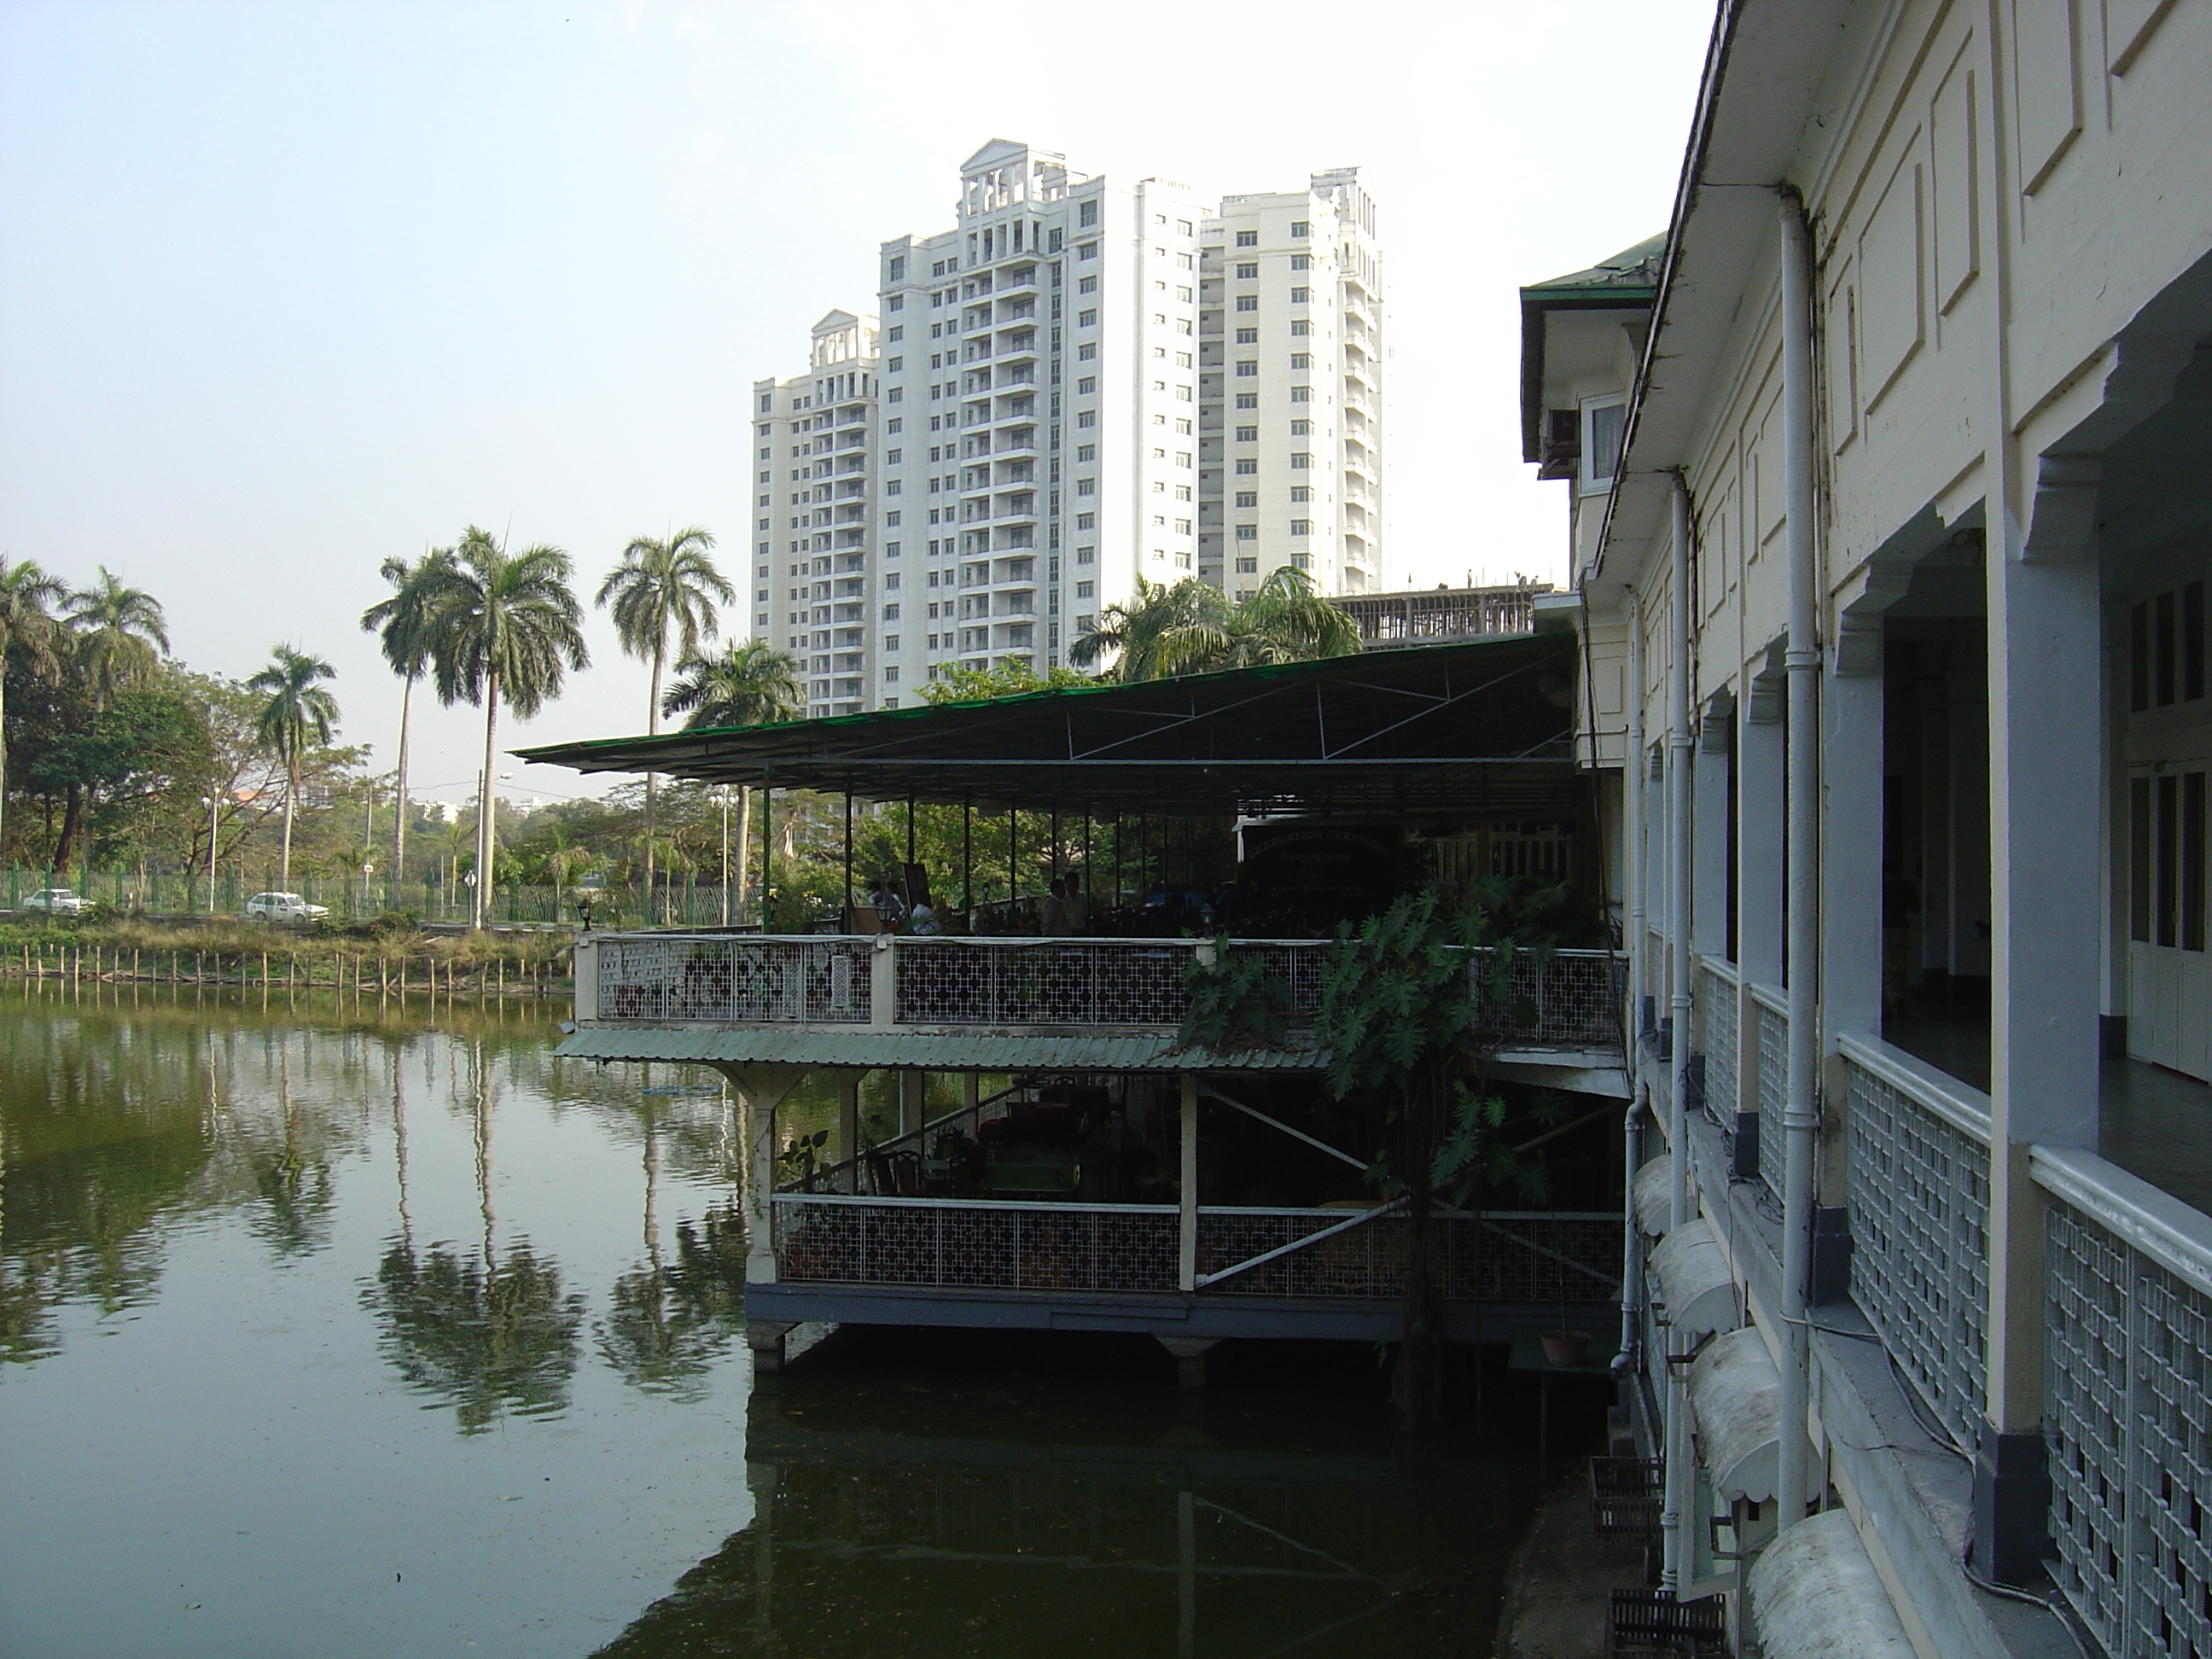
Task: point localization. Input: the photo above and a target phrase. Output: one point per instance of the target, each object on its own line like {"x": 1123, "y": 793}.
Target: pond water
{"x": 346, "y": 1329}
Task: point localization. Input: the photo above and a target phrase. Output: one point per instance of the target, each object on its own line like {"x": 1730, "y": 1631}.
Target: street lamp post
{"x": 210, "y": 802}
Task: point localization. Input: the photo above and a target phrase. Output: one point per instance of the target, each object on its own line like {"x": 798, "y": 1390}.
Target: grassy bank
{"x": 372, "y": 957}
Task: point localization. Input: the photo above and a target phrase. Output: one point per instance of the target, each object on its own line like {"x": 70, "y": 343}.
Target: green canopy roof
{"x": 1483, "y": 726}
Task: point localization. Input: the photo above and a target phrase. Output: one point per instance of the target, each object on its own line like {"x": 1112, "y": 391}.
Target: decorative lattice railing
{"x": 1569, "y": 1000}
{"x": 1503, "y": 1256}
{"x": 2128, "y": 1375}
{"x": 1919, "y": 1191}
{"x": 683, "y": 977}
{"x": 1715, "y": 1012}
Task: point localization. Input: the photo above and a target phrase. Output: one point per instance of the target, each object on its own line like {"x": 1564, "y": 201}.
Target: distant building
{"x": 1290, "y": 330}
{"x": 1058, "y": 401}
{"x": 1440, "y": 614}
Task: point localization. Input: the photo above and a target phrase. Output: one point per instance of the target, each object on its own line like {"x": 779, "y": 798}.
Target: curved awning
{"x": 1655, "y": 1197}
{"x": 1816, "y": 1595}
{"x": 1735, "y": 1394}
{"x": 1694, "y": 1280}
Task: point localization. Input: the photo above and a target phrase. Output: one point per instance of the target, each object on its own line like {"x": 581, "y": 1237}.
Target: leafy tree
{"x": 405, "y": 623}
{"x": 662, "y": 595}
{"x": 27, "y": 595}
{"x": 300, "y": 710}
{"x": 508, "y": 626}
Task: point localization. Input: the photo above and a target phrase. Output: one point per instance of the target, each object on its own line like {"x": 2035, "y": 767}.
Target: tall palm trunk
{"x": 3, "y": 750}
{"x": 480, "y": 905}
{"x": 291, "y": 794}
{"x": 737, "y": 872}
{"x": 399, "y": 788}
{"x": 652, "y": 779}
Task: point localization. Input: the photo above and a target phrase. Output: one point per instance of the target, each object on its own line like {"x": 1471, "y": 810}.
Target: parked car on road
{"x": 55, "y": 901}
{"x": 283, "y": 907}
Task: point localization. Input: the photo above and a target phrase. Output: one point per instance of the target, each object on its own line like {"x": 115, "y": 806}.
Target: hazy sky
{"x": 285, "y": 288}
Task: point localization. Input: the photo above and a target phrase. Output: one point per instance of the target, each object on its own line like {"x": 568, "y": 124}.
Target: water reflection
{"x": 384, "y": 1323}
{"x": 668, "y": 1321}
{"x": 484, "y": 1336}
{"x": 911, "y": 1496}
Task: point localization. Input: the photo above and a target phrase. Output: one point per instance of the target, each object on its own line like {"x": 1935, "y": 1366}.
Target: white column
{"x": 848, "y": 1125}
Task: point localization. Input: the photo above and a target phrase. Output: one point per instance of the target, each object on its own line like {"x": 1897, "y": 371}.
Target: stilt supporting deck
{"x": 1190, "y": 1358}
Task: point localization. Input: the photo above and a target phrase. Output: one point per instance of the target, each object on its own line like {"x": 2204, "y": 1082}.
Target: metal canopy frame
{"x": 1482, "y": 726}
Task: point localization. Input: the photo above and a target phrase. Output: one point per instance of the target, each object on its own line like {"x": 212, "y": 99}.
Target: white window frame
{"x": 1586, "y": 481}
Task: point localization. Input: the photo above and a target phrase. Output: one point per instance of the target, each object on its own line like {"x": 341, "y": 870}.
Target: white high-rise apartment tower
{"x": 1035, "y": 428}
{"x": 814, "y": 444}
{"x": 1289, "y": 325}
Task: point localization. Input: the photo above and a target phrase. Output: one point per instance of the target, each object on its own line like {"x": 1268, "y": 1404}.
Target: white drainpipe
{"x": 1633, "y": 779}
{"x": 1632, "y": 1252}
{"x": 1801, "y": 1111}
{"x": 1679, "y": 1457}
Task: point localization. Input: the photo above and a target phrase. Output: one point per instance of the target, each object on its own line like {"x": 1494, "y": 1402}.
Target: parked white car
{"x": 55, "y": 901}
{"x": 283, "y": 907}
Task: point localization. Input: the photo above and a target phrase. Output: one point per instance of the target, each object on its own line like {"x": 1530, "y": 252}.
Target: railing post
{"x": 883, "y": 984}
{"x": 586, "y": 958}
{"x": 1187, "y": 1219}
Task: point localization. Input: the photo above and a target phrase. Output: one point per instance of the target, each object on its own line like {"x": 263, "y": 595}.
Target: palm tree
{"x": 119, "y": 630}
{"x": 1163, "y": 629}
{"x": 507, "y": 626}
{"x": 27, "y": 626}
{"x": 748, "y": 684}
{"x": 1193, "y": 628}
{"x": 663, "y": 593}
{"x": 1285, "y": 619}
{"x": 301, "y": 710}
{"x": 405, "y": 622}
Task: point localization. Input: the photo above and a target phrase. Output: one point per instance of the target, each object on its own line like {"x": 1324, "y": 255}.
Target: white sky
{"x": 287, "y": 287}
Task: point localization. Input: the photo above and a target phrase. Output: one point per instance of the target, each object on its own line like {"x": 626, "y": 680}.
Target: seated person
{"x": 1052, "y": 919}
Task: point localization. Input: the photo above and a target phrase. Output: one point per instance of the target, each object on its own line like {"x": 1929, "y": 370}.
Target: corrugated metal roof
{"x": 941, "y": 1051}
{"x": 1483, "y": 723}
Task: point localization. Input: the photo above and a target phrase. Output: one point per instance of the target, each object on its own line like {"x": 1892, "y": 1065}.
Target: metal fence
{"x": 671, "y": 976}
{"x": 1774, "y": 1031}
{"x": 954, "y": 1243}
{"x": 1715, "y": 1009}
{"x": 958, "y": 981}
{"x": 2128, "y": 1369}
{"x": 1919, "y": 1196}
{"x": 1503, "y": 1256}
{"x": 1569, "y": 1000}
{"x": 957, "y": 1244}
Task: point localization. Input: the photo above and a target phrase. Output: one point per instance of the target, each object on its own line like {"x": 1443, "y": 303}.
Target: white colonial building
{"x": 1891, "y": 524}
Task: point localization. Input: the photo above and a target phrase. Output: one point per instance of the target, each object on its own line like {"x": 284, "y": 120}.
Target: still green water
{"x": 342, "y": 1329}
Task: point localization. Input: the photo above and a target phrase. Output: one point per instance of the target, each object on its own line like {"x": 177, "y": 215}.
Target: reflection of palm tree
{"x": 666, "y": 1322}
{"x": 486, "y": 1340}
{"x": 489, "y": 1335}
{"x": 296, "y": 1188}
